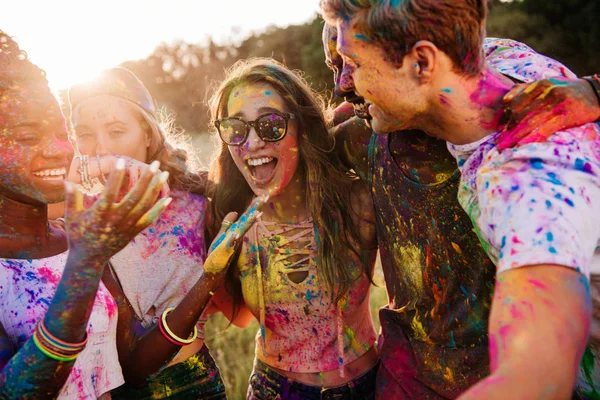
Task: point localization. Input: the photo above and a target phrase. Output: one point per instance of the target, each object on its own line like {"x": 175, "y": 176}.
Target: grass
{"x": 233, "y": 347}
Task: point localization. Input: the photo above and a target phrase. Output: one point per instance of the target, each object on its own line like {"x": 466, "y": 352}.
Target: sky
{"x": 72, "y": 40}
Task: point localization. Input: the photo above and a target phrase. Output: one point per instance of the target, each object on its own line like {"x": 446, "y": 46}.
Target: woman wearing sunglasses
{"x": 305, "y": 266}
{"x": 161, "y": 280}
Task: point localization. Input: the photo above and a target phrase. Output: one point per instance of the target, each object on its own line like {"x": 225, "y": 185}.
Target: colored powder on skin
{"x": 447, "y": 90}
{"x": 537, "y": 283}
{"x": 268, "y": 92}
{"x": 360, "y": 36}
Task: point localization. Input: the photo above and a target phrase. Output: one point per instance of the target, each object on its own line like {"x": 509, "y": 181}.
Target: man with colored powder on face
{"x": 419, "y": 167}
{"x": 425, "y": 89}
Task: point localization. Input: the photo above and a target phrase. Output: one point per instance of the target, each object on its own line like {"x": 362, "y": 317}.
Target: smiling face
{"x": 392, "y": 92}
{"x": 267, "y": 166}
{"x": 109, "y": 125}
{"x": 336, "y": 64}
{"x": 35, "y": 152}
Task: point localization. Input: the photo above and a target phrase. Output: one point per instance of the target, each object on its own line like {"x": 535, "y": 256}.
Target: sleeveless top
{"x": 161, "y": 264}
{"x": 26, "y": 290}
{"x": 301, "y": 328}
{"x": 438, "y": 278}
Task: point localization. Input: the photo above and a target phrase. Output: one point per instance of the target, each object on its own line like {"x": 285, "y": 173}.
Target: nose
{"x": 101, "y": 149}
{"x": 58, "y": 147}
{"x": 254, "y": 142}
{"x": 346, "y": 82}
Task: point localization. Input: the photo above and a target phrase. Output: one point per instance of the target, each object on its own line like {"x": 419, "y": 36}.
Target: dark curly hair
{"x": 15, "y": 66}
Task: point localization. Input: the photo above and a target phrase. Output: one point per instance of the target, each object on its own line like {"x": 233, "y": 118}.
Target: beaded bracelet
{"x": 102, "y": 176}
{"x": 84, "y": 172}
{"x": 594, "y": 80}
{"x": 167, "y": 333}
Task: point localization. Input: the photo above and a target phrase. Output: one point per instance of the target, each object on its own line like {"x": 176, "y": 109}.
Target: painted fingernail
{"x": 154, "y": 166}
{"x": 163, "y": 177}
{"x": 259, "y": 215}
{"x": 166, "y": 201}
{"x": 120, "y": 165}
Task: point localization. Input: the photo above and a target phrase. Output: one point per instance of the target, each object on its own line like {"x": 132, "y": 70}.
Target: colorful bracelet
{"x": 54, "y": 348}
{"x": 164, "y": 328}
{"x": 594, "y": 80}
{"x": 59, "y": 344}
{"x": 84, "y": 172}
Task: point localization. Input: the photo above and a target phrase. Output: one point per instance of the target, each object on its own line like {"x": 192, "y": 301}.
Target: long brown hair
{"x": 328, "y": 184}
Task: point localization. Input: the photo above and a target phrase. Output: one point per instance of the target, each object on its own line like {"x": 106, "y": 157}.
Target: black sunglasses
{"x": 270, "y": 127}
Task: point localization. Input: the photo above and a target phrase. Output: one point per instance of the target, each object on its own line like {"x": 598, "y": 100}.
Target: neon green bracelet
{"x": 51, "y": 355}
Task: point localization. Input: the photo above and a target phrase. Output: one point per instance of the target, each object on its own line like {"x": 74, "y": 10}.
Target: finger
{"x": 111, "y": 190}
{"x": 165, "y": 191}
{"x": 149, "y": 197}
{"x": 514, "y": 92}
{"x": 543, "y": 132}
{"x": 134, "y": 196}
{"x": 225, "y": 225}
{"x": 152, "y": 215}
{"x": 241, "y": 226}
{"x": 227, "y": 222}
{"x": 73, "y": 200}
{"x": 134, "y": 173}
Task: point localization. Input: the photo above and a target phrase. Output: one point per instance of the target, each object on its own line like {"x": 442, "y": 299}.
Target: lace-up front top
{"x": 301, "y": 328}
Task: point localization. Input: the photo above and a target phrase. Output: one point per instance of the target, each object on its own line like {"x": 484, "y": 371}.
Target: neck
{"x": 468, "y": 109}
{"x": 20, "y": 220}
{"x": 289, "y": 205}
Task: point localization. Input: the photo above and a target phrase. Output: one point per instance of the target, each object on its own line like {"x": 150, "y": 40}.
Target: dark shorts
{"x": 198, "y": 377}
{"x": 266, "y": 384}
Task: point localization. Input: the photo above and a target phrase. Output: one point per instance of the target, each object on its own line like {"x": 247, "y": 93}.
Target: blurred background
{"x": 179, "y": 49}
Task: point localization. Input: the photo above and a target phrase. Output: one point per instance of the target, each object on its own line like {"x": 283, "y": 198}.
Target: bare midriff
{"x": 352, "y": 370}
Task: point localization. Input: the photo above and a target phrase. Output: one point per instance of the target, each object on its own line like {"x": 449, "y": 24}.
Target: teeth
{"x": 259, "y": 161}
{"x": 59, "y": 172}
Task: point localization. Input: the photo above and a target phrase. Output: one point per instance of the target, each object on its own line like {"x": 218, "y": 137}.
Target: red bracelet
{"x": 162, "y": 330}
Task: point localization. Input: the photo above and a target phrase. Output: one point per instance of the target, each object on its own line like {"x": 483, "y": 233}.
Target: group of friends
{"x": 471, "y": 164}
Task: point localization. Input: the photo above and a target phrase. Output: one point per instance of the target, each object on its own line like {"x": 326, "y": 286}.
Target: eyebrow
{"x": 262, "y": 110}
{"x": 26, "y": 124}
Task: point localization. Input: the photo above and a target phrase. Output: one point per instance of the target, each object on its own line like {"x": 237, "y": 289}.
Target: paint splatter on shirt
{"x": 300, "y": 324}
{"x": 26, "y": 290}
{"x": 434, "y": 341}
{"x": 160, "y": 265}
{"x": 538, "y": 203}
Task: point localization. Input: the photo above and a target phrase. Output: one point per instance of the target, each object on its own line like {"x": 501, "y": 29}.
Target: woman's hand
{"x": 223, "y": 247}
{"x": 100, "y": 167}
{"x": 106, "y": 227}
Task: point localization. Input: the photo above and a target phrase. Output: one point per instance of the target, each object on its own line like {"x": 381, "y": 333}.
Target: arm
{"x": 553, "y": 98}
{"x": 538, "y": 330}
{"x": 143, "y": 353}
{"x": 352, "y": 138}
{"x": 95, "y": 235}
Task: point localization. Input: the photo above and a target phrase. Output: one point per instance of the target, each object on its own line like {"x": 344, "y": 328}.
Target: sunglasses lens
{"x": 272, "y": 127}
{"x": 232, "y": 131}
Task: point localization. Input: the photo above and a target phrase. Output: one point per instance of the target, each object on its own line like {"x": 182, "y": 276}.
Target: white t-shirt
{"x": 538, "y": 203}
{"x": 26, "y": 290}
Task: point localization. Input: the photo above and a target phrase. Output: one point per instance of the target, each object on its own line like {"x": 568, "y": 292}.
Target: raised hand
{"x": 103, "y": 229}
{"x": 535, "y": 111}
{"x": 223, "y": 247}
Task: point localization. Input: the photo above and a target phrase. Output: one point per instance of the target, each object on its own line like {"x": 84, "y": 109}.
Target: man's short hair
{"x": 456, "y": 27}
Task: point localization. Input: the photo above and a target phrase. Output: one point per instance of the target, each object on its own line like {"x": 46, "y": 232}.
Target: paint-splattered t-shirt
{"x": 161, "y": 264}
{"x": 302, "y": 329}
{"x": 26, "y": 290}
{"x": 538, "y": 203}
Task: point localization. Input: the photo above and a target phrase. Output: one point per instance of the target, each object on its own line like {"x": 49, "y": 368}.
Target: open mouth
{"x": 55, "y": 174}
{"x": 262, "y": 169}
{"x": 361, "y": 109}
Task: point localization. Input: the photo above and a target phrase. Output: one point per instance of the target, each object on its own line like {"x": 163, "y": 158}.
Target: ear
{"x": 424, "y": 56}
{"x": 148, "y": 137}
